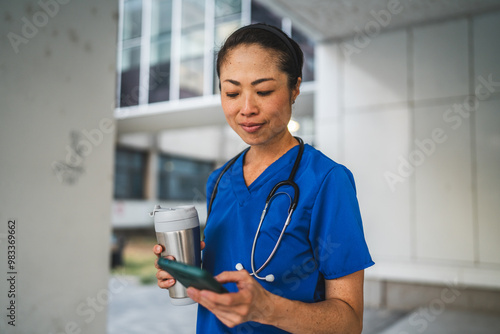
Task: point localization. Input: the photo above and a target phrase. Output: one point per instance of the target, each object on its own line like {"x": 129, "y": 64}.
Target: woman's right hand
{"x": 165, "y": 280}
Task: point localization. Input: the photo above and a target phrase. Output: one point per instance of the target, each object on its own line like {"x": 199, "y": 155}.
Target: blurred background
{"x": 110, "y": 107}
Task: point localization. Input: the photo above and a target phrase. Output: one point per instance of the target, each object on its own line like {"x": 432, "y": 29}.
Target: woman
{"x": 313, "y": 283}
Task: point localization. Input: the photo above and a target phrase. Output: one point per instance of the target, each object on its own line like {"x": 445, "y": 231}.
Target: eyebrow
{"x": 253, "y": 83}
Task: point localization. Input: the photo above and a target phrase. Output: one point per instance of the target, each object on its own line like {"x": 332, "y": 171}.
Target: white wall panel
{"x": 444, "y": 216}
{"x": 429, "y": 215}
{"x": 328, "y": 102}
{"x": 374, "y": 142}
{"x": 488, "y": 180}
{"x": 327, "y": 77}
{"x": 441, "y": 60}
{"x": 487, "y": 51}
{"x": 328, "y": 138}
{"x": 377, "y": 74}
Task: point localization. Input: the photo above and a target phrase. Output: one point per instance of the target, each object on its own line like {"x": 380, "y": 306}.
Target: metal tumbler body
{"x": 178, "y": 231}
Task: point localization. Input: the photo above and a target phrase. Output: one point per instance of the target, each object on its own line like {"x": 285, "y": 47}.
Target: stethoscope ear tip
{"x": 239, "y": 266}
{"x": 270, "y": 278}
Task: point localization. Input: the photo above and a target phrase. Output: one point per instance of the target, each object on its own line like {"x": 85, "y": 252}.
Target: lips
{"x": 251, "y": 127}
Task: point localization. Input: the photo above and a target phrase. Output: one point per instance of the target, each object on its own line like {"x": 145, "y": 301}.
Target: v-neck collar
{"x": 242, "y": 191}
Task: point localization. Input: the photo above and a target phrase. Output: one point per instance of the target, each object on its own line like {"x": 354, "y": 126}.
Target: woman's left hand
{"x": 251, "y": 303}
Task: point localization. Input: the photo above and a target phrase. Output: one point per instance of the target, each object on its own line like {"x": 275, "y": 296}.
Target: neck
{"x": 267, "y": 153}
{"x": 259, "y": 157}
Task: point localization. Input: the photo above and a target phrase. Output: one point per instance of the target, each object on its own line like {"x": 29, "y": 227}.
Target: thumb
{"x": 233, "y": 276}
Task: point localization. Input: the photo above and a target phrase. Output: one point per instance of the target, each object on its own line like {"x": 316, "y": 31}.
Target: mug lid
{"x": 173, "y": 214}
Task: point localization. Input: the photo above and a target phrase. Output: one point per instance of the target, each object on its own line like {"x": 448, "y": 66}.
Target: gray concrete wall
{"x": 57, "y": 88}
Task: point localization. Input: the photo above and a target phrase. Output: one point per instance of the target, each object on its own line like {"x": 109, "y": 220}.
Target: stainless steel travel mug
{"x": 178, "y": 231}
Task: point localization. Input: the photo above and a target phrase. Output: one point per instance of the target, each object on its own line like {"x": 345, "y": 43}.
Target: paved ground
{"x": 138, "y": 309}
{"x": 144, "y": 309}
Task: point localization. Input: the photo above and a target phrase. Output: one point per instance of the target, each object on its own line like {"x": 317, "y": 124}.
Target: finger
{"x": 196, "y": 295}
{"x": 157, "y": 249}
{"x": 170, "y": 257}
{"x": 193, "y": 293}
{"x": 227, "y": 307}
{"x": 225, "y": 301}
{"x": 233, "y": 276}
{"x": 163, "y": 275}
{"x": 166, "y": 284}
{"x": 165, "y": 280}
{"x": 209, "y": 302}
{"x": 202, "y": 245}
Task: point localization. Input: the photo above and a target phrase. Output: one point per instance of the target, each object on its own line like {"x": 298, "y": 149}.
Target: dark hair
{"x": 290, "y": 56}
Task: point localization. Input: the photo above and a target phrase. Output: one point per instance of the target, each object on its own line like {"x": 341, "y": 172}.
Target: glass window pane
{"x": 131, "y": 58}
{"x": 182, "y": 178}
{"x": 260, "y": 14}
{"x": 191, "y": 78}
{"x": 159, "y": 71}
{"x": 132, "y": 19}
{"x": 222, "y": 31}
{"x": 129, "y": 90}
{"x": 307, "y": 47}
{"x": 161, "y": 20}
{"x": 193, "y": 13}
{"x": 192, "y": 44}
{"x": 130, "y": 169}
{"x": 192, "y": 48}
{"x": 160, "y": 52}
{"x": 227, "y": 7}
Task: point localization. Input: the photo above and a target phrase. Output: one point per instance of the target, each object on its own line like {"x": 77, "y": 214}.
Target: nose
{"x": 249, "y": 106}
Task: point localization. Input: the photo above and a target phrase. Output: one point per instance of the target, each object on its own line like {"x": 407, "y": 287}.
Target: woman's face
{"x": 255, "y": 96}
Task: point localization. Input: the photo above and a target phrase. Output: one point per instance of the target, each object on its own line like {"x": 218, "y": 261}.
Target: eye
{"x": 265, "y": 93}
{"x": 231, "y": 95}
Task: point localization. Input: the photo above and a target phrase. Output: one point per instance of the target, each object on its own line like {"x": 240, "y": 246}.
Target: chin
{"x": 252, "y": 139}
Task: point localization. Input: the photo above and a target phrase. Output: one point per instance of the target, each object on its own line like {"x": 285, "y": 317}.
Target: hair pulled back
{"x": 266, "y": 36}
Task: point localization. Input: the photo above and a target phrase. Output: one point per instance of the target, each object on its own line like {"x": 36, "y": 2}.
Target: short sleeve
{"x": 336, "y": 232}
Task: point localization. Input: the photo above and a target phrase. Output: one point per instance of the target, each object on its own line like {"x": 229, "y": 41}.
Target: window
{"x": 307, "y": 47}
{"x": 167, "y": 48}
{"x": 160, "y": 53}
{"x": 227, "y": 20}
{"x": 182, "y": 178}
{"x": 130, "y": 168}
{"x": 192, "y": 48}
{"x": 130, "y": 53}
{"x": 261, "y": 15}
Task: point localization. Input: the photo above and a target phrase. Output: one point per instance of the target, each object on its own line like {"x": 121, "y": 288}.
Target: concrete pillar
{"x": 57, "y": 92}
{"x": 328, "y": 100}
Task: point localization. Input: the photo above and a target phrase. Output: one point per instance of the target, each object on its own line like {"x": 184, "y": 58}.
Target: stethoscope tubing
{"x": 289, "y": 182}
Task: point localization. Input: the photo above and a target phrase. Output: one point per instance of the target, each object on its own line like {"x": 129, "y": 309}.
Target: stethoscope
{"x": 272, "y": 194}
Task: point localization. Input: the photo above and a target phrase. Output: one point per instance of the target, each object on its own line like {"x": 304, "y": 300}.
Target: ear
{"x": 296, "y": 89}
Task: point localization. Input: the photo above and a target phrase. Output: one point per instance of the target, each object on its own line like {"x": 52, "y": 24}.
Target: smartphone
{"x": 189, "y": 275}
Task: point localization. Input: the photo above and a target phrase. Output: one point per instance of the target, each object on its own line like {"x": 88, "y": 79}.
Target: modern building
{"x": 171, "y": 130}
{"x": 405, "y": 93}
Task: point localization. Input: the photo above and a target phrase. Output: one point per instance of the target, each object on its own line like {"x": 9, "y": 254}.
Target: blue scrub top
{"x": 324, "y": 240}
